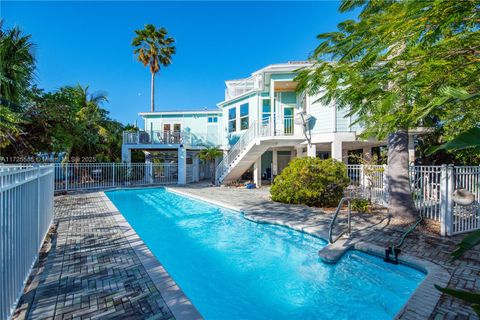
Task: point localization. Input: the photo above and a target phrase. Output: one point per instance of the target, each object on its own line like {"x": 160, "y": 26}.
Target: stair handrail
{"x": 256, "y": 129}
{"x": 332, "y": 223}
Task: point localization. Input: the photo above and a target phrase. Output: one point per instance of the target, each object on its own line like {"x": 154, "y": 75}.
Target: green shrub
{"x": 360, "y": 205}
{"x": 311, "y": 181}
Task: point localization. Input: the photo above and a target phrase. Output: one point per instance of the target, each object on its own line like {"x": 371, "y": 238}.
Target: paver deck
{"x": 97, "y": 269}
{"x": 92, "y": 270}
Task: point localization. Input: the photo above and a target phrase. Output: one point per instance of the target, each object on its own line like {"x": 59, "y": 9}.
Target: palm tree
{"x": 17, "y": 66}
{"x": 209, "y": 155}
{"x": 154, "y": 48}
{"x": 89, "y": 119}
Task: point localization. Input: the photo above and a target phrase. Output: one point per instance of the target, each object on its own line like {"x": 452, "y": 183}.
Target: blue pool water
{"x": 232, "y": 268}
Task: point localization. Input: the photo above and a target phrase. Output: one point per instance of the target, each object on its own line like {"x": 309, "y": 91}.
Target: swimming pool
{"x": 232, "y": 268}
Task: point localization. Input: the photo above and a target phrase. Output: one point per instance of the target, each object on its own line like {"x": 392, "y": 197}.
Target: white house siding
{"x": 323, "y": 116}
{"x": 253, "y": 99}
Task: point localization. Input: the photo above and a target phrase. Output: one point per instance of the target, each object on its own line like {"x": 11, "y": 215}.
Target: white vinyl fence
{"x": 432, "y": 188}
{"x": 87, "y": 176}
{"x": 26, "y": 213}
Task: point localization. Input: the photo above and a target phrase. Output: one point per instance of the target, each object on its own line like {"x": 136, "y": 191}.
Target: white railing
{"x": 282, "y": 126}
{"x": 84, "y": 176}
{"x": 256, "y": 130}
{"x": 239, "y": 87}
{"x": 167, "y": 137}
{"x": 432, "y": 188}
{"x": 190, "y": 173}
{"x": 26, "y": 213}
{"x": 466, "y": 218}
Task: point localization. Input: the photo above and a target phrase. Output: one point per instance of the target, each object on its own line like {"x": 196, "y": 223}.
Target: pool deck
{"x": 95, "y": 266}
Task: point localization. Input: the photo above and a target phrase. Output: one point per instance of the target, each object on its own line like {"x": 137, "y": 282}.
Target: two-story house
{"x": 261, "y": 125}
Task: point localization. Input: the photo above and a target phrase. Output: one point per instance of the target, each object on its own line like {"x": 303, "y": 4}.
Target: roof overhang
{"x": 191, "y": 112}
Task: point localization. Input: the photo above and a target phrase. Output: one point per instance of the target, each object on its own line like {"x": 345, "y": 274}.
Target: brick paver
{"x": 91, "y": 271}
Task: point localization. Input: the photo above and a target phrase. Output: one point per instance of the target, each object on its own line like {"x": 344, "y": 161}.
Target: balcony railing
{"x": 166, "y": 138}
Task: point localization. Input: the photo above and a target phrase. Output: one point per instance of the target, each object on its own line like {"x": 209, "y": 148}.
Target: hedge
{"x": 311, "y": 181}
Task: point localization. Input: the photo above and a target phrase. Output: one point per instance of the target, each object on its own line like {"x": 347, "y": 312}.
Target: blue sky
{"x": 89, "y": 43}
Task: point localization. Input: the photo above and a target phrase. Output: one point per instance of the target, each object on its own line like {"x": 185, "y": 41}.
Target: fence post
{"x": 446, "y": 208}
{"x": 385, "y": 194}
{"x": 66, "y": 176}
{"x": 38, "y": 208}
{"x": 113, "y": 174}
{"x": 449, "y": 202}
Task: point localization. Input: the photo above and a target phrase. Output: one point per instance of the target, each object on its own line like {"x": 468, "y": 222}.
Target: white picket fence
{"x": 26, "y": 213}
{"x": 88, "y": 176}
{"x": 432, "y": 188}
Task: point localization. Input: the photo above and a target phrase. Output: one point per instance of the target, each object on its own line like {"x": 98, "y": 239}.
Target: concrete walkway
{"x": 93, "y": 271}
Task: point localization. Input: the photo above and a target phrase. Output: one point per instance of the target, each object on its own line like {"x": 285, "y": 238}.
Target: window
{"x": 232, "y": 119}
{"x": 266, "y": 109}
{"x": 212, "y": 119}
{"x": 244, "y": 116}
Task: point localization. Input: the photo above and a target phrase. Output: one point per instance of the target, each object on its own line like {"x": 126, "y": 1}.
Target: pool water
{"x": 232, "y": 268}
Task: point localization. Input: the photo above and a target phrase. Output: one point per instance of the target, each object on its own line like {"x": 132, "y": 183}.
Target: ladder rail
{"x": 335, "y": 215}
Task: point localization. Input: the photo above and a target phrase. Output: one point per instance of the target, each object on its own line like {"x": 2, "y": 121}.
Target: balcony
{"x": 236, "y": 88}
{"x": 159, "y": 137}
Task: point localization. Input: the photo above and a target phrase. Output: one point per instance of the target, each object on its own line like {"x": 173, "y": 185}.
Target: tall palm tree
{"x": 155, "y": 48}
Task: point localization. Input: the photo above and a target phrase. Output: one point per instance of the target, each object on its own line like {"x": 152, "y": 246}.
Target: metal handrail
{"x": 349, "y": 227}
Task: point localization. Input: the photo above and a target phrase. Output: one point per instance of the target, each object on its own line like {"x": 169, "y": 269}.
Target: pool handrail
{"x": 332, "y": 223}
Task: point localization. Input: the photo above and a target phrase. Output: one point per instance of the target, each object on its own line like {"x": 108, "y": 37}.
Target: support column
{"x": 126, "y": 154}
{"x": 299, "y": 151}
{"x": 182, "y": 165}
{"x": 311, "y": 150}
{"x": 411, "y": 149}
{"x": 337, "y": 152}
{"x": 257, "y": 172}
{"x": 148, "y": 168}
{"x": 196, "y": 167}
{"x": 274, "y": 162}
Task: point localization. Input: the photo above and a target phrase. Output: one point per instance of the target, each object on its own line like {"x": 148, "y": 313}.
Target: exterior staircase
{"x": 252, "y": 144}
{"x": 244, "y": 153}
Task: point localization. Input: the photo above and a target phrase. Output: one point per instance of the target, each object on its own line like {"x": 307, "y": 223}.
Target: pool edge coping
{"x": 420, "y": 304}
{"x": 181, "y": 307}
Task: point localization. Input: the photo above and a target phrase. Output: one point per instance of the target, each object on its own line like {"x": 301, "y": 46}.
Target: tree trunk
{"x": 400, "y": 203}
{"x": 152, "y": 93}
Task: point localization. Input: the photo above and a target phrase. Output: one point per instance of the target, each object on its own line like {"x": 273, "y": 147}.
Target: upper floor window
{"x": 232, "y": 119}
{"x": 212, "y": 119}
{"x": 244, "y": 116}
{"x": 266, "y": 110}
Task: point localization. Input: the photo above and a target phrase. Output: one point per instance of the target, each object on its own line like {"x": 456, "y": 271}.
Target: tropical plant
{"x": 311, "y": 181}
{"x": 154, "y": 48}
{"x": 17, "y": 65}
{"x": 209, "y": 154}
{"x": 469, "y": 139}
{"x": 390, "y": 65}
